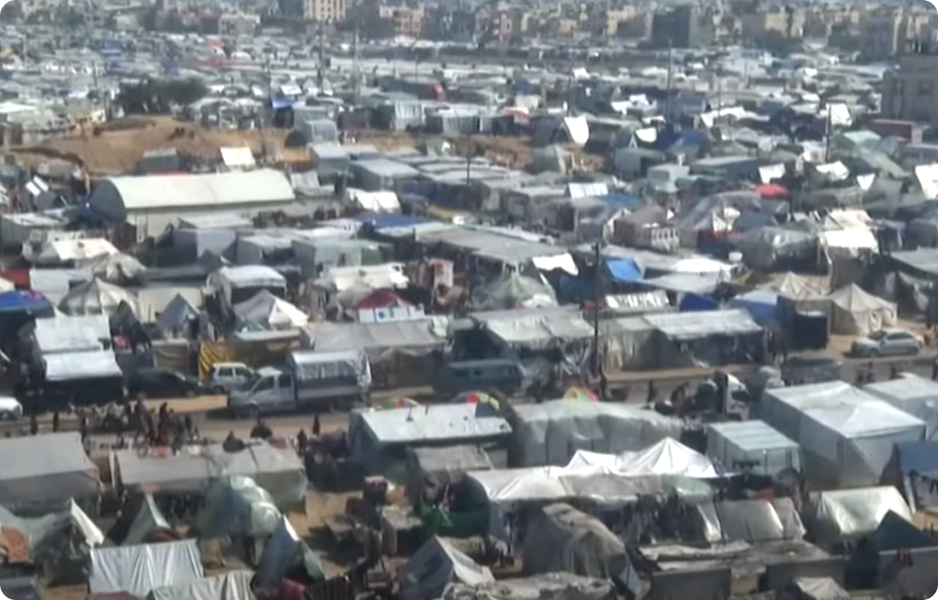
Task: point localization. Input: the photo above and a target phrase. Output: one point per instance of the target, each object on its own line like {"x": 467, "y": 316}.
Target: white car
{"x": 229, "y": 377}
{"x": 888, "y": 342}
{"x": 10, "y": 408}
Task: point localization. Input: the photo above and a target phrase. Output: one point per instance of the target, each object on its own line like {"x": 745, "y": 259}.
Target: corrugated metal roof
{"x": 694, "y": 325}
{"x": 434, "y": 423}
{"x": 201, "y": 190}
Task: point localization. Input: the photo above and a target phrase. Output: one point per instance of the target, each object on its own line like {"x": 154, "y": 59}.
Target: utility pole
{"x": 827, "y": 146}
{"x": 320, "y": 72}
{"x": 468, "y": 160}
{"x": 597, "y": 299}
{"x": 356, "y": 69}
{"x": 667, "y": 106}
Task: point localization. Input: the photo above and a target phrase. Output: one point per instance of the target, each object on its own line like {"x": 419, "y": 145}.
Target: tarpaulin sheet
{"x": 139, "y": 569}
{"x": 235, "y": 585}
{"x": 46, "y": 468}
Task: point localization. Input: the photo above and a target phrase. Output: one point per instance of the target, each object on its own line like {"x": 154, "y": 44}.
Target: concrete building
{"x": 324, "y": 11}
{"x": 788, "y": 23}
{"x": 911, "y": 92}
{"x": 238, "y": 24}
{"x": 681, "y": 27}
{"x": 885, "y": 33}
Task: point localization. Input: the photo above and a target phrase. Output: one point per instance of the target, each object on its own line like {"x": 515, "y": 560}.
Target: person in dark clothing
{"x": 316, "y": 426}
{"x": 934, "y": 370}
{"x": 261, "y": 430}
{"x": 33, "y": 424}
{"x": 893, "y": 372}
{"x": 55, "y": 422}
{"x": 603, "y": 385}
{"x": 232, "y": 443}
{"x": 301, "y": 442}
{"x": 652, "y": 393}
{"x": 83, "y": 428}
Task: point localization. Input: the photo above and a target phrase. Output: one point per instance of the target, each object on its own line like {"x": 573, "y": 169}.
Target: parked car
{"x": 164, "y": 383}
{"x": 10, "y": 408}
{"x": 229, "y": 377}
{"x": 888, "y": 342}
{"x": 504, "y": 377}
{"x": 816, "y": 367}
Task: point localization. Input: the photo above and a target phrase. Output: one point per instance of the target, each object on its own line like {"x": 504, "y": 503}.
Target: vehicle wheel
{"x": 218, "y": 390}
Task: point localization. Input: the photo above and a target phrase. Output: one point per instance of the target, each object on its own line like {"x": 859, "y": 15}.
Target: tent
{"x": 286, "y": 554}
{"x": 513, "y": 291}
{"x": 762, "y": 305}
{"x": 234, "y": 585}
{"x": 563, "y": 539}
{"x": 148, "y": 519}
{"x": 176, "y": 316}
{"x": 117, "y": 268}
{"x": 193, "y": 470}
{"x": 270, "y": 312}
{"x": 843, "y": 515}
{"x": 53, "y": 540}
{"x": 667, "y": 457}
{"x": 96, "y": 297}
{"x": 46, "y": 469}
{"x": 856, "y": 312}
{"x": 236, "y": 506}
{"x": 435, "y": 565}
{"x": 139, "y": 569}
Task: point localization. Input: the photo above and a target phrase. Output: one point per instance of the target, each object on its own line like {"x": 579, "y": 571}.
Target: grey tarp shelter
{"x": 46, "y": 469}
{"x": 436, "y": 565}
{"x": 563, "y": 539}
{"x": 192, "y": 470}
{"x": 139, "y": 569}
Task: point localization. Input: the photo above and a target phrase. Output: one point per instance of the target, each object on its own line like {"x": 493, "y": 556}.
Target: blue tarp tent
{"x": 697, "y": 303}
{"x": 624, "y": 270}
{"x": 762, "y": 305}
{"x": 17, "y": 301}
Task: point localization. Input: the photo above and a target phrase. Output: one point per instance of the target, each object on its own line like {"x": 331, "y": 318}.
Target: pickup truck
{"x": 316, "y": 380}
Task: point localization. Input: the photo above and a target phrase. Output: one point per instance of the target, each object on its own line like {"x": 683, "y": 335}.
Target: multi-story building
{"x": 789, "y": 23}
{"x": 682, "y": 27}
{"x": 911, "y": 92}
{"x": 324, "y": 11}
{"x": 884, "y": 33}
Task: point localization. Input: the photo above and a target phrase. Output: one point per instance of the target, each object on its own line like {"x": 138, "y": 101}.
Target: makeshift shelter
{"x": 237, "y": 507}
{"x": 912, "y": 469}
{"x": 913, "y": 395}
{"x": 513, "y": 291}
{"x": 762, "y": 305}
{"x": 750, "y": 521}
{"x": 667, "y": 457}
{"x": 847, "y": 515}
{"x": 68, "y": 334}
{"x": 846, "y": 434}
{"x": 139, "y": 569}
{"x": 96, "y": 297}
{"x": 855, "y": 312}
{"x": 148, "y": 520}
{"x": 233, "y": 585}
{"x": 721, "y": 337}
{"x": 195, "y": 468}
{"x": 270, "y": 312}
{"x": 563, "y": 539}
{"x": 287, "y": 555}
{"x": 435, "y": 566}
{"x": 551, "y": 433}
{"x": 117, "y": 268}
{"x": 752, "y": 446}
{"x": 44, "y": 469}
{"x": 552, "y": 586}
{"x": 374, "y": 434}
{"x": 176, "y": 317}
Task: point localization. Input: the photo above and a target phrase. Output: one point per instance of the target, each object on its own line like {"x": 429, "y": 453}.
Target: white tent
{"x": 96, "y": 297}
{"x": 234, "y": 585}
{"x": 856, "y": 312}
{"x": 435, "y": 565}
{"x": 270, "y": 312}
{"x": 667, "y": 457}
{"x": 117, "y": 268}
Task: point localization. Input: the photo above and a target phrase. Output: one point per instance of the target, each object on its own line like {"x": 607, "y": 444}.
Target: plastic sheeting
{"x": 513, "y": 291}
{"x": 286, "y": 552}
{"x": 44, "y": 469}
{"x": 237, "y": 507}
{"x": 563, "y": 539}
{"x": 148, "y": 519}
{"x": 752, "y": 446}
{"x": 553, "y": 586}
{"x": 270, "y": 312}
{"x": 751, "y": 521}
{"x": 73, "y": 366}
{"x": 316, "y": 366}
{"x": 550, "y": 433}
{"x": 96, "y": 297}
{"x": 235, "y": 585}
{"x": 667, "y": 457}
{"x": 913, "y": 395}
{"x": 436, "y": 565}
{"x": 280, "y": 472}
{"x": 842, "y": 515}
{"x": 71, "y": 334}
{"x": 139, "y": 569}
{"x": 846, "y": 434}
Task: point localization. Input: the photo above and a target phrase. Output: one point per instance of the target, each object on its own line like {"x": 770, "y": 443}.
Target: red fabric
{"x": 382, "y": 299}
{"x": 771, "y": 190}
{"x": 291, "y": 590}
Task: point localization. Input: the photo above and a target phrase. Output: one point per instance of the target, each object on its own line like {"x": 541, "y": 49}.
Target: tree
{"x": 153, "y": 96}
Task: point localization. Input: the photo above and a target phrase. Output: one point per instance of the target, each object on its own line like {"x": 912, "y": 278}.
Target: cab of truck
{"x": 504, "y": 376}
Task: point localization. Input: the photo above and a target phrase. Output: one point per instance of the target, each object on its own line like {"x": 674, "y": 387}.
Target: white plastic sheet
{"x": 139, "y": 569}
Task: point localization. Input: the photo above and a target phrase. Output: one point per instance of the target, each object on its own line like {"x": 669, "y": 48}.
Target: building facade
{"x": 911, "y": 92}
